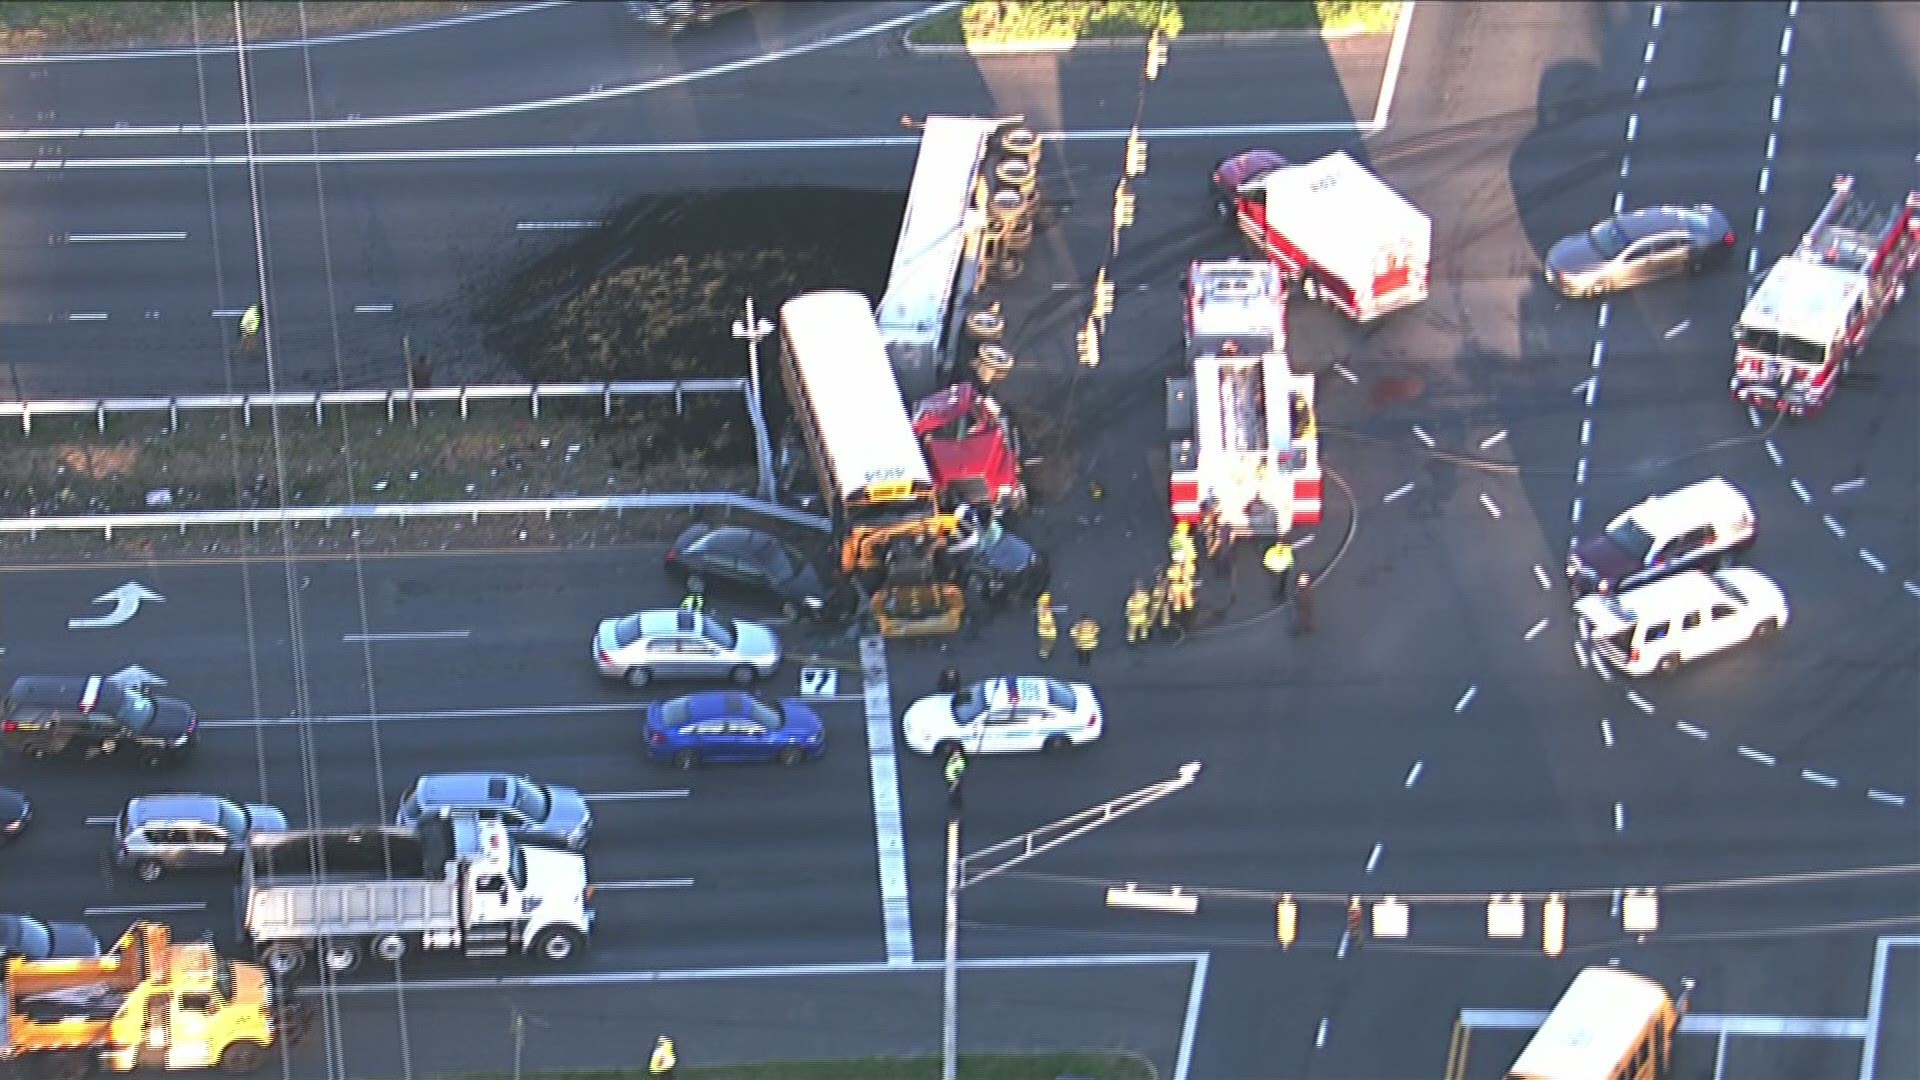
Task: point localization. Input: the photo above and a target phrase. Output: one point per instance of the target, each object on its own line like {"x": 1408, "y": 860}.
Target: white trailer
{"x": 449, "y": 884}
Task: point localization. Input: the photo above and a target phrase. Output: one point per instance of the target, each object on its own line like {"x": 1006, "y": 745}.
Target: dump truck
{"x": 454, "y": 883}
{"x": 147, "y": 1004}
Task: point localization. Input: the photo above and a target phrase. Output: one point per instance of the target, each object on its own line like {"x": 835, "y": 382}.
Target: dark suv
{"x": 45, "y": 715}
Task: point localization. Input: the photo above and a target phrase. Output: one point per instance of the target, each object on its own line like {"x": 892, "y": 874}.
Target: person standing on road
{"x": 663, "y": 1061}
{"x": 1044, "y": 624}
{"x": 696, "y": 601}
{"x": 1180, "y": 585}
{"x": 1279, "y": 563}
{"x": 1139, "y": 614}
{"x": 956, "y": 774}
{"x": 1180, "y": 547}
{"x": 1160, "y": 605}
{"x": 250, "y": 321}
{"x": 1086, "y": 638}
{"x": 1216, "y": 541}
{"x": 1303, "y": 606}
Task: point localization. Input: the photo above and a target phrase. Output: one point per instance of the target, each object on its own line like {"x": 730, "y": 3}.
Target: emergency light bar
{"x": 1170, "y": 903}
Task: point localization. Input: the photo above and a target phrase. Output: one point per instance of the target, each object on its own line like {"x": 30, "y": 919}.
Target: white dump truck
{"x": 452, "y": 884}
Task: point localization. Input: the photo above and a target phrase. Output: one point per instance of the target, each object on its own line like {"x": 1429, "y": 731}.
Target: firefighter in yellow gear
{"x": 1180, "y": 583}
{"x": 1180, "y": 547}
{"x": 1086, "y": 638}
{"x": 1139, "y": 614}
{"x": 663, "y": 1061}
{"x": 1279, "y": 563}
{"x": 1158, "y": 610}
{"x": 1044, "y": 624}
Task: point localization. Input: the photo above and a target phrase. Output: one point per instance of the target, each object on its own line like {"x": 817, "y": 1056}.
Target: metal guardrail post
{"x": 173, "y": 414}
{"x": 606, "y": 402}
{"x": 533, "y": 398}
{"x": 318, "y": 419}
{"x": 100, "y": 418}
{"x": 463, "y": 403}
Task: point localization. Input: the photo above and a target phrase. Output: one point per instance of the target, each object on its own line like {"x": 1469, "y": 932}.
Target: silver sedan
{"x": 1637, "y": 247}
{"x": 674, "y": 644}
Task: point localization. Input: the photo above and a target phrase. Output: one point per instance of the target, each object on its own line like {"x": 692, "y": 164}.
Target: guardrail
{"x": 533, "y": 393}
{"x": 107, "y": 523}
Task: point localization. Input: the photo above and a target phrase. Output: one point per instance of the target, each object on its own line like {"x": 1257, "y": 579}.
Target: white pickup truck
{"x": 448, "y": 884}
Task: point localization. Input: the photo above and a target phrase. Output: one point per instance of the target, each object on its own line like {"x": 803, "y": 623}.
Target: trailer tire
{"x": 149, "y": 870}
{"x": 390, "y": 947}
{"x": 339, "y": 957}
{"x": 242, "y": 1057}
{"x": 559, "y": 944}
{"x": 283, "y": 959}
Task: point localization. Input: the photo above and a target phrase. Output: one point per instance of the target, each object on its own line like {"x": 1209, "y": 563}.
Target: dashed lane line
{"x": 1466, "y": 699}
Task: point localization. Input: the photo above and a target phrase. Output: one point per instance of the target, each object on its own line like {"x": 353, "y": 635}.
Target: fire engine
{"x": 1818, "y": 306}
{"x": 1241, "y": 429}
{"x": 1335, "y": 229}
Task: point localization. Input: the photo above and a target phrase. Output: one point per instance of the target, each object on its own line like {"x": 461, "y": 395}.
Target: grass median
{"x": 1073, "y": 1066}
{"x": 27, "y": 28}
{"x": 1037, "y": 22}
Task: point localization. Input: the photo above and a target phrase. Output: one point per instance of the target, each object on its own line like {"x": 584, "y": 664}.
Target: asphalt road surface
{"x": 1436, "y": 734}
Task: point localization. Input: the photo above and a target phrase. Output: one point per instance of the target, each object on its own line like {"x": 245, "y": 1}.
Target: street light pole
{"x": 751, "y": 329}
{"x": 1006, "y": 855}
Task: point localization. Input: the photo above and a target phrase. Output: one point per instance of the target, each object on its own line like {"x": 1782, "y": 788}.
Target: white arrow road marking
{"x": 143, "y": 909}
{"x": 637, "y": 796}
{"x": 126, "y": 601}
{"x": 653, "y": 883}
{"x": 135, "y": 676}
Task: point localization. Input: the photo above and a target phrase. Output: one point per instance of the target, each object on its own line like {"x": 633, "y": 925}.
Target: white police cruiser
{"x": 1005, "y": 715}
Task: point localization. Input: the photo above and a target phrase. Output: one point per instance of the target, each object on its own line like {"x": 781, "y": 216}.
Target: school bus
{"x": 1609, "y": 1025}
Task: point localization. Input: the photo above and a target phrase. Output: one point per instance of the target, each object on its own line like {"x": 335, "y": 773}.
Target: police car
{"x": 1004, "y": 716}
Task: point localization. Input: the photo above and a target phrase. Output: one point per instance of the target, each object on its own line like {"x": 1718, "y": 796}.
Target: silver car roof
{"x": 147, "y": 809}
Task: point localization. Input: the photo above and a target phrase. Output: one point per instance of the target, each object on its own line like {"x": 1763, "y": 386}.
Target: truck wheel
{"x": 340, "y": 957}
{"x": 558, "y": 944}
{"x": 390, "y": 947}
{"x": 243, "y": 1057}
{"x": 283, "y": 959}
{"x": 743, "y": 675}
{"x": 149, "y": 870}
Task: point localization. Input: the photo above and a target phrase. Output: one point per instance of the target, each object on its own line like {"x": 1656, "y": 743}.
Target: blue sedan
{"x": 724, "y": 726}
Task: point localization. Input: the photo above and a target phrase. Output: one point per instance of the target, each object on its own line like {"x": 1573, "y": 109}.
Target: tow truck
{"x": 147, "y": 1004}
{"x": 1819, "y": 305}
{"x": 1241, "y": 427}
{"x": 1335, "y": 230}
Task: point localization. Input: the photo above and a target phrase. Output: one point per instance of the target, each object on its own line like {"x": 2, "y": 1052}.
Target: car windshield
{"x": 1631, "y": 538}
{"x": 675, "y": 713}
{"x": 968, "y": 704}
{"x": 626, "y": 631}
{"x": 532, "y": 800}
{"x": 232, "y": 819}
{"x": 717, "y": 631}
{"x": 136, "y": 709}
{"x": 25, "y": 937}
{"x": 770, "y": 717}
{"x": 1774, "y": 343}
{"x": 1608, "y": 238}
{"x": 1729, "y": 591}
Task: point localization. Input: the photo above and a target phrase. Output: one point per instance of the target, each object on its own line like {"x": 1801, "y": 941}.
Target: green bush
{"x": 1066, "y": 20}
{"x": 1000, "y": 22}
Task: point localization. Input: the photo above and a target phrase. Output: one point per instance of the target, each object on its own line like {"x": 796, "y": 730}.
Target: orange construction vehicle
{"x": 147, "y": 1004}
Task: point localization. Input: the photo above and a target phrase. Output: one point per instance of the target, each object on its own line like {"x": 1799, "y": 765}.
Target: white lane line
{"x": 1582, "y": 386}
{"x": 1800, "y": 490}
{"x": 1766, "y": 178}
{"x": 108, "y": 237}
{"x": 1873, "y": 560}
{"x": 1688, "y": 729}
{"x": 1751, "y": 754}
{"x": 554, "y": 226}
{"x": 1633, "y": 121}
{"x": 1619, "y": 817}
{"x": 1466, "y": 699}
{"x": 372, "y": 309}
{"x": 144, "y": 909}
{"x": 1422, "y": 435}
{"x": 1678, "y": 329}
{"x": 1912, "y": 587}
{"x": 87, "y": 316}
{"x": 1578, "y": 505}
{"x": 1586, "y": 432}
{"x": 1486, "y": 500}
{"x": 1818, "y": 778}
{"x": 1540, "y": 575}
{"x": 1639, "y": 702}
{"x": 1320, "y": 1034}
{"x": 499, "y": 713}
{"x": 1373, "y": 860}
{"x": 1397, "y": 492}
{"x": 1534, "y": 631}
{"x": 1580, "y": 473}
{"x": 1489, "y": 442}
{"x": 1833, "y": 526}
{"x": 1887, "y": 797}
{"x": 1773, "y": 451}
{"x": 883, "y": 769}
{"x": 1600, "y": 321}
{"x": 637, "y": 796}
{"x": 643, "y": 884}
{"x": 421, "y": 635}
{"x": 228, "y": 313}
{"x": 103, "y": 819}
{"x": 1413, "y": 774}
{"x": 1340, "y": 370}
{"x": 1845, "y": 486}
{"x": 1606, "y": 733}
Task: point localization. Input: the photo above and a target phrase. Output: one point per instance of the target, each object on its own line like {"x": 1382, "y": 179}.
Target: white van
{"x": 1658, "y": 627}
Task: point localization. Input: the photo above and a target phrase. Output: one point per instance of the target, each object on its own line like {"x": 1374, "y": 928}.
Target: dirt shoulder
{"x": 70, "y": 25}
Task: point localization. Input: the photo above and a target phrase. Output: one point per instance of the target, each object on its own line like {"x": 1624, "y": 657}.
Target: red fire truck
{"x": 1332, "y": 227}
{"x": 1241, "y": 429}
{"x": 1818, "y": 306}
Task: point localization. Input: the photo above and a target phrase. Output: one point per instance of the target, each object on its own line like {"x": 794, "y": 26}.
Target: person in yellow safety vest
{"x": 250, "y": 327}
{"x": 695, "y": 601}
{"x": 1159, "y": 610}
{"x": 663, "y": 1061}
{"x": 1180, "y": 547}
{"x": 1180, "y": 590}
{"x": 1086, "y": 638}
{"x": 1043, "y": 619}
{"x": 1139, "y": 614}
{"x": 1279, "y": 563}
